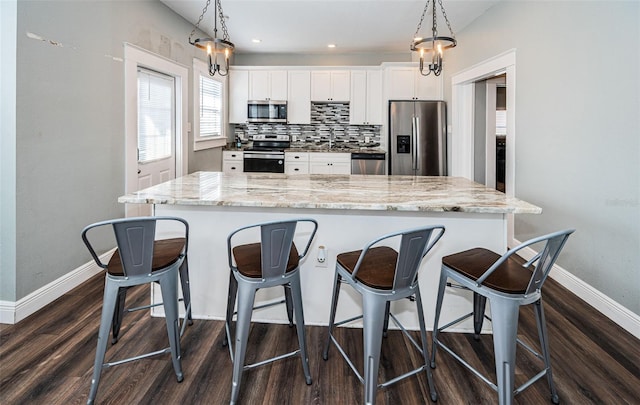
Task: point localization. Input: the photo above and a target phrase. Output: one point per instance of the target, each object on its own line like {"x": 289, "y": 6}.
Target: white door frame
{"x": 462, "y": 113}
{"x": 135, "y": 57}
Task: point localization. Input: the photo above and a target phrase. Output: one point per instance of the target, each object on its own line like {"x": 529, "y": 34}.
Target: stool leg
{"x": 246, "y": 297}
{"x": 186, "y": 291}
{"x": 544, "y": 344}
{"x": 169, "y": 289}
{"x": 302, "y": 341}
{"x": 289, "y": 304}
{"x": 439, "y": 299}
{"x": 231, "y": 303}
{"x": 425, "y": 347}
{"x": 108, "y": 309}
{"x": 386, "y": 319}
{"x": 118, "y": 314}
{"x": 373, "y": 323}
{"x": 479, "y": 305}
{"x": 504, "y": 314}
{"x": 332, "y": 315}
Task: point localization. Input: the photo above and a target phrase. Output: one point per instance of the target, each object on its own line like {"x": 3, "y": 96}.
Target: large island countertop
{"x": 350, "y": 210}
{"x": 355, "y": 192}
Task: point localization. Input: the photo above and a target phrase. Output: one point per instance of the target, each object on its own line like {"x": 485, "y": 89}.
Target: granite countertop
{"x": 320, "y": 149}
{"x": 355, "y": 192}
{"x": 325, "y": 149}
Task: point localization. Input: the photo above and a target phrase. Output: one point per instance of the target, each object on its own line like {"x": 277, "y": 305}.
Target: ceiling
{"x": 308, "y": 26}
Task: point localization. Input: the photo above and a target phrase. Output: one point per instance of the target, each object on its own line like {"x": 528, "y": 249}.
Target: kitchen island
{"x": 350, "y": 209}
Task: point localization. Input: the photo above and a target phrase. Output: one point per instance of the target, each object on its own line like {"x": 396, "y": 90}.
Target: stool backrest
{"x": 546, "y": 258}
{"x": 135, "y": 241}
{"x": 414, "y": 246}
{"x": 542, "y": 262}
{"x": 276, "y": 239}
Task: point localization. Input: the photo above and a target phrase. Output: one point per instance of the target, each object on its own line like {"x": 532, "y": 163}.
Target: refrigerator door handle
{"x": 416, "y": 136}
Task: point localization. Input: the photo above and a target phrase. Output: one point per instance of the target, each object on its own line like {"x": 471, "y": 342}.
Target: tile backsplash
{"x": 327, "y": 120}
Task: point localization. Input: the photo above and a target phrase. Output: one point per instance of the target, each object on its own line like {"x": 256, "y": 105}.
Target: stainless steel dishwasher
{"x": 367, "y": 163}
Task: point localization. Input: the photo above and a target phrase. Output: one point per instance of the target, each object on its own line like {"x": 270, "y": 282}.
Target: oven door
{"x": 264, "y": 162}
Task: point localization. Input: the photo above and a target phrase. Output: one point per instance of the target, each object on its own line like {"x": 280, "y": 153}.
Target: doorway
{"x": 157, "y": 152}
{"x": 463, "y": 119}
{"x": 490, "y": 132}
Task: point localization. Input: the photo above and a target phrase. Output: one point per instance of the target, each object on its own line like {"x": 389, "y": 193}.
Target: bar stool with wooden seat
{"x": 381, "y": 275}
{"x": 140, "y": 259}
{"x": 272, "y": 262}
{"x": 508, "y": 281}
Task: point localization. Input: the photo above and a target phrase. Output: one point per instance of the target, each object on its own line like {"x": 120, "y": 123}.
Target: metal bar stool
{"x": 139, "y": 259}
{"x": 381, "y": 275}
{"x": 508, "y": 281}
{"x": 272, "y": 262}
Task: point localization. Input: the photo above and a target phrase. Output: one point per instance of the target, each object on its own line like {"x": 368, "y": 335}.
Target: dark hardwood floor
{"x": 48, "y": 358}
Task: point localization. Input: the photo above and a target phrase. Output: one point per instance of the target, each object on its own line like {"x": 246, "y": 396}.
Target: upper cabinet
{"x": 299, "y": 97}
{"x": 267, "y": 85}
{"x": 366, "y": 97}
{"x": 238, "y": 93}
{"x": 406, "y": 83}
{"x": 330, "y": 85}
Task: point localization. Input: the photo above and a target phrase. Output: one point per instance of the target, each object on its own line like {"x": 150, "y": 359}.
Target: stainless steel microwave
{"x": 267, "y": 111}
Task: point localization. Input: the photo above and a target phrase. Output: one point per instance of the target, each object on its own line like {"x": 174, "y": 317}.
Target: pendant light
{"x": 215, "y": 46}
{"x": 436, "y": 44}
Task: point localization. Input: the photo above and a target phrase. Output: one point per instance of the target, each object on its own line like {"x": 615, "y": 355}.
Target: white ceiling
{"x": 307, "y": 26}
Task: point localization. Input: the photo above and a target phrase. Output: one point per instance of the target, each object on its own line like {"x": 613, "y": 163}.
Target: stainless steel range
{"x": 267, "y": 154}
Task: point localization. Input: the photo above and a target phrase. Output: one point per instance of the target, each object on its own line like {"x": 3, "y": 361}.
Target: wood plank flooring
{"x": 48, "y": 359}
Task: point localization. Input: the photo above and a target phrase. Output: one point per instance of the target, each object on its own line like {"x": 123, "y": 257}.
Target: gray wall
{"x": 8, "y": 18}
{"x": 577, "y": 127}
{"x": 339, "y": 59}
{"x": 70, "y": 124}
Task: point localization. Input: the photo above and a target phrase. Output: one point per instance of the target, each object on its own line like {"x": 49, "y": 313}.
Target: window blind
{"x": 210, "y": 107}
{"x": 155, "y": 115}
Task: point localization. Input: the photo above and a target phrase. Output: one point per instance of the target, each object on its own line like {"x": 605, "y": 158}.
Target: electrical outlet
{"x": 322, "y": 257}
{"x": 367, "y": 139}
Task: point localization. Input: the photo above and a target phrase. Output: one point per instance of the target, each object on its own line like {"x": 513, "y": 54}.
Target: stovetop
{"x": 270, "y": 142}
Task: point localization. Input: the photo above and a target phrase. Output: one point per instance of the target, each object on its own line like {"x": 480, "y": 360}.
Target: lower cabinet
{"x": 330, "y": 163}
{"x": 232, "y": 161}
{"x": 296, "y": 162}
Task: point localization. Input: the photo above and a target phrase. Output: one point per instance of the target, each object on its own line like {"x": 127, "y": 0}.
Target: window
{"x": 209, "y": 108}
{"x": 155, "y": 115}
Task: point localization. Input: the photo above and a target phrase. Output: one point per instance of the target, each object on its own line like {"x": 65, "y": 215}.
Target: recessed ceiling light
{"x": 256, "y": 40}
{"x": 331, "y": 46}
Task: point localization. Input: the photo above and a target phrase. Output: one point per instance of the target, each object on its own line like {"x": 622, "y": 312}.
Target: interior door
{"x": 156, "y": 129}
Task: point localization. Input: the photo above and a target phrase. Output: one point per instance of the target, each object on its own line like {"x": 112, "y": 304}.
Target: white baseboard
{"x": 14, "y": 312}
{"x": 608, "y": 307}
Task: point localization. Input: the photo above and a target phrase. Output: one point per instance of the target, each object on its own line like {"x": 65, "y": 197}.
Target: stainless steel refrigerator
{"x": 418, "y": 138}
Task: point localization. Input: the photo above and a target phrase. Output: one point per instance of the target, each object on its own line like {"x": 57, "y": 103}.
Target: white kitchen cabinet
{"x": 331, "y": 85}
{"x": 296, "y": 162}
{"x": 406, "y": 83}
{"x": 232, "y": 161}
{"x": 268, "y": 85}
{"x": 238, "y": 96}
{"x": 330, "y": 163}
{"x": 299, "y": 97}
{"x": 365, "y": 107}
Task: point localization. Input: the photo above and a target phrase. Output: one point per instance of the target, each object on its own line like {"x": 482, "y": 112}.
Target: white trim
{"x": 135, "y": 56}
{"x": 14, "y": 312}
{"x": 622, "y": 316}
{"x": 462, "y": 113}
{"x": 201, "y": 69}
